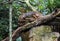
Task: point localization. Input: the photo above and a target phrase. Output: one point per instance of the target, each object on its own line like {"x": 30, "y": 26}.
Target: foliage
{"x": 43, "y": 6}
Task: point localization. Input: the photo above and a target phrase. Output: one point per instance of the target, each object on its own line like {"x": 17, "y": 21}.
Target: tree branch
{"x": 27, "y": 2}
{"x": 43, "y": 19}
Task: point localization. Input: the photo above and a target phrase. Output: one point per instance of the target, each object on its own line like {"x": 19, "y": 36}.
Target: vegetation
{"x": 43, "y": 6}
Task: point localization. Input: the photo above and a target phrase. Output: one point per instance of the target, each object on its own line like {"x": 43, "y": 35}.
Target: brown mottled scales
{"x": 28, "y": 17}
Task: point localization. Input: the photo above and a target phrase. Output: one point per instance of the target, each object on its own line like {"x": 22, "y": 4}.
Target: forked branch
{"x": 32, "y": 24}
